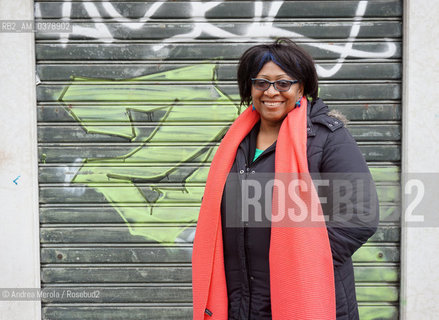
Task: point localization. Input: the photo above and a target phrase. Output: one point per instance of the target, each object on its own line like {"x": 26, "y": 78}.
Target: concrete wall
{"x": 19, "y": 229}
{"x": 19, "y": 246}
{"x": 420, "y": 245}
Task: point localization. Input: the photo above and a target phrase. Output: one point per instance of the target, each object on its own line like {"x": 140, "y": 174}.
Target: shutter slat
{"x": 199, "y": 51}
{"x": 52, "y": 9}
{"x": 162, "y": 234}
{"x": 375, "y": 253}
{"x": 366, "y": 70}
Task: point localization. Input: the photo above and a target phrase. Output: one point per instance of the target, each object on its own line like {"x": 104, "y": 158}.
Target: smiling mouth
{"x": 273, "y": 103}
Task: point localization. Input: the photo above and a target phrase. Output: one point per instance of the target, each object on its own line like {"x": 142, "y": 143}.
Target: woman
{"x": 269, "y": 269}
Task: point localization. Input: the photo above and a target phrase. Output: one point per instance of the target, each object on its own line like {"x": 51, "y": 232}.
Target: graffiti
{"x": 261, "y": 27}
{"x": 69, "y": 174}
{"x": 151, "y": 185}
{"x": 347, "y": 49}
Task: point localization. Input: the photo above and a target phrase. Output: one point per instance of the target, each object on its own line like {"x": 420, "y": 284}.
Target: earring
{"x": 298, "y": 102}
{"x": 253, "y": 108}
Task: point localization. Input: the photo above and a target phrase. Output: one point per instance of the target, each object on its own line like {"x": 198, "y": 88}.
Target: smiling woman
{"x": 281, "y": 268}
{"x": 272, "y": 102}
{"x": 273, "y": 105}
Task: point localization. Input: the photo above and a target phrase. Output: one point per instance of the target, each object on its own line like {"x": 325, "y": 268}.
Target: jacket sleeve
{"x": 351, "y": 200}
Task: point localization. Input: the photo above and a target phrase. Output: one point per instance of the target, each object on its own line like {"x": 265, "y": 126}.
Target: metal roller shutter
{"x": 131, "y": 106}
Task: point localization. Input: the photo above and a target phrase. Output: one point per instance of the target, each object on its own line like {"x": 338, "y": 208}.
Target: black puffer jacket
{"x": 330, "y": 149}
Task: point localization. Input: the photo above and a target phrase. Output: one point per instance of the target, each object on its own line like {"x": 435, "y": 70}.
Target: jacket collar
{"x": 318, "y": 113}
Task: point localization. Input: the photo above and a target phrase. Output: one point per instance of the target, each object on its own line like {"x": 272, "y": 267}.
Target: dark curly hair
{"x": 295, "y": 61}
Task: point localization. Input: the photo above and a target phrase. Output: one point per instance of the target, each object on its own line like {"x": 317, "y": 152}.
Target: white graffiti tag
{"x": 261, "y": 28}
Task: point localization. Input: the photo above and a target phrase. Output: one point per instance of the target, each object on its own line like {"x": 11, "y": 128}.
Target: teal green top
{"x": 258, "y": 152}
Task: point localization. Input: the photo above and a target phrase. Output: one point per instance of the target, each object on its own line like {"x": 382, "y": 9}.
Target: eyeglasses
{"x": 279, "y": 85}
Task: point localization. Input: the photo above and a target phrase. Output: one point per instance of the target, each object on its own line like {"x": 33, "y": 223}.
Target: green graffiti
{"x": 146, "y": 184}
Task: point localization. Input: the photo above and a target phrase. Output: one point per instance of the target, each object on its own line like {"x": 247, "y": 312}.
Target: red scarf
{"x": 301, "y": 267}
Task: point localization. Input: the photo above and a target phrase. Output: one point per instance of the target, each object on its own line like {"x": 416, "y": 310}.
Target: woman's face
{"x": 273, "y": 105}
